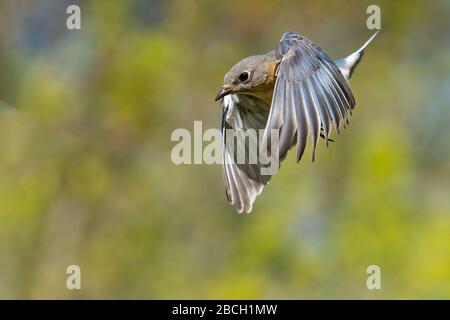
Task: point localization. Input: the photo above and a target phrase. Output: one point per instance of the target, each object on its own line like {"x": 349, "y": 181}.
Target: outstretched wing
{"x": 242, "y": 118}
{"x": 348, "y": 64}
{"x": 310, "y": 93}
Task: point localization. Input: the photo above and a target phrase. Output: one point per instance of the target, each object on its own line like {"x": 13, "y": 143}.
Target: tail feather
{"x": 348, "y": 64}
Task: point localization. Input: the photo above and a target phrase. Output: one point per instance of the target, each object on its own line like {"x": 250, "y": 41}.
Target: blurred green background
{"x": 86, "y": 176}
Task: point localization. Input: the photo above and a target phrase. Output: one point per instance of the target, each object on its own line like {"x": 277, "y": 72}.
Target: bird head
{"x": 254, "y": 75}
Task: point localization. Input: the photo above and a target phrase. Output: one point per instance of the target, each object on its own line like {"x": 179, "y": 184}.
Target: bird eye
{"x": 244, "y": 76}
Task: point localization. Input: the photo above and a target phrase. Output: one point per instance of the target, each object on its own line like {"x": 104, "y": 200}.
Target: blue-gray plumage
{"x": 296, "y": 90}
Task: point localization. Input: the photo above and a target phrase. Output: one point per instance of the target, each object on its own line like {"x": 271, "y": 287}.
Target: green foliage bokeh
{"x": 86, "y": 176}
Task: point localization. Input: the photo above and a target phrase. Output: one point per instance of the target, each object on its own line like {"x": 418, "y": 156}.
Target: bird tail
{"x": 348, "y": 64}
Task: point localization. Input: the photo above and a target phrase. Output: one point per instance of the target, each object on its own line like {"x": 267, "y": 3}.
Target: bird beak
{"x": 223, "y": 92}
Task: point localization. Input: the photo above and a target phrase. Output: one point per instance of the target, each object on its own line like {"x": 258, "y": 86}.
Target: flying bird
{"x": 296, "y": 90}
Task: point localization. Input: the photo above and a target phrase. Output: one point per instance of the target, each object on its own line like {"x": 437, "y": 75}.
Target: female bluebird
{"x": 296, "y": 91}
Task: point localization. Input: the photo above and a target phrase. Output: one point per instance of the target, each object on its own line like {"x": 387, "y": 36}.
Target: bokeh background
{"x": 86, "y": 176}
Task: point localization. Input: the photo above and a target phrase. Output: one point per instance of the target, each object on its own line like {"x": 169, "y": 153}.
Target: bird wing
{"x": 243, "y": 117}
{"x": 310, "y": 93}
{"x": 348, "y": 64}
